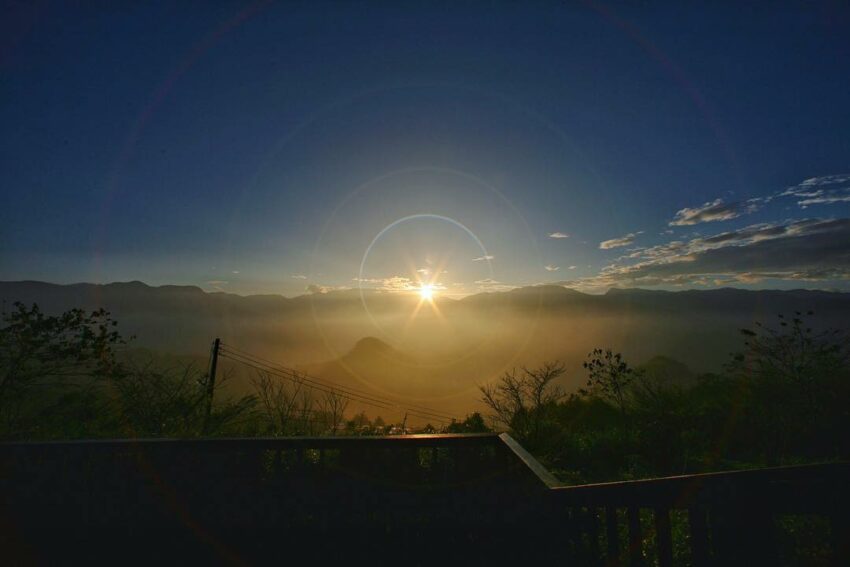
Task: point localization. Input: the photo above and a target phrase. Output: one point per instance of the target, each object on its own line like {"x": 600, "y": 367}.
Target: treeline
{"x": 71, "y": 377}
{"x": 783, "y": 399}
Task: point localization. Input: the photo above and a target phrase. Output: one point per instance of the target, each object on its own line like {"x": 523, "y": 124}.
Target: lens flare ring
{"x": 422, "y": 290}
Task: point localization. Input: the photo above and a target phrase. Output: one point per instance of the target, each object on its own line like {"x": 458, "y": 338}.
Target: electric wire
{"x": 347, "y": 389}
{"x": 310, "y": 382}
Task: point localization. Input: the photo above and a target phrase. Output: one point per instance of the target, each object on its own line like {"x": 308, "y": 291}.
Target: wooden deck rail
{"x": 730, "y": 515}
{"x": 478, "y": 499}
{"x": 369, "y": 496}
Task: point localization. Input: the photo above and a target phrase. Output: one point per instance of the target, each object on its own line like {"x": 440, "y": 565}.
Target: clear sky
{"x": 262, "y": 148}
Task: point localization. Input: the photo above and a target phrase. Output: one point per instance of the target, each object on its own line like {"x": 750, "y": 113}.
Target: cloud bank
{"x": 799, "y": 250}
{"x": 619, "y": 242}
{"x": 714, "y": 211}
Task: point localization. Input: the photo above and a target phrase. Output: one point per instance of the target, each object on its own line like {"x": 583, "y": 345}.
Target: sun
{"x": 426, "y": 292}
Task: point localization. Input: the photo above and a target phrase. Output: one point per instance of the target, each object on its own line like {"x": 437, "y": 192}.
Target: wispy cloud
{"x": 395, "y": 284}
{"x": 217, "y": 284}
{"x": 489, "y": 284}
{"x": 391, "y": 283}
{"x": 558, "y": 235}
{"x": 824, "y": 190}
{"x": 299, "y": 277}
{"x": 618, "y": 242}
{"x": 794, "y": 250}
{"x": 714, "y": 211}
{"x": 318, "y": 289}
{"x": 571, "y": 268}
{"x": 551, "y": 268}
{"x": 484, "y": 258}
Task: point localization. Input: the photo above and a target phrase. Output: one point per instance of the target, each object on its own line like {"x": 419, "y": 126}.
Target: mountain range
{"x": 438, "y": 352}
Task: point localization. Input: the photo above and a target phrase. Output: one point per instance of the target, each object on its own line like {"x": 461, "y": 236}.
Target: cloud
{"x": 714, "y": 211}
{"x": 825, "y": 200}
{"x": 797, "y": 250}
{"x": 484, "y": 258}
{"x": 396, "y": 284}
{"x": 299, "y": 277}
{"x": 571, "y": 268}
{"x": 321, "y": 289}
{"x": 489, "y": 284}
{"x": 423, "y": 271}
{"x": 618, "y": 242}
{"x": 235, "y": 271}
{"x": 392, "y": 283}
{"x": 558, "y": 235}
{"x": 217, "y": 284}
{"x": 824, "y": 190}
{"x": 551, "y": 268}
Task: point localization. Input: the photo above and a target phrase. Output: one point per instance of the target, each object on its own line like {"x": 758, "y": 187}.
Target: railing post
{"x": 612, "y": 533}
{"x": 663, "y": 537}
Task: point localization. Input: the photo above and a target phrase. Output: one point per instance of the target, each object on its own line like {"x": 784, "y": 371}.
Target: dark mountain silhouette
{"x": 448, "y": 347}
{"x": 664, "y": 370}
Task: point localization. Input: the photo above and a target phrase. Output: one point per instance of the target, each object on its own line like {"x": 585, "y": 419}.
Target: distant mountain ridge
{"x": 695, "y": 326}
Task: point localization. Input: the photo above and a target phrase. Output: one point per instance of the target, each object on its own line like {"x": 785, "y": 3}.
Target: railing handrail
{"x": 272, "y": 442}
{"x": 682, "y": 491}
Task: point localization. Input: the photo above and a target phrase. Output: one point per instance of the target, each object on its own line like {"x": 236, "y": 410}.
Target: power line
{"x": 349, "y": 393}
{"x": 347, "y": 389}
{"x": 330, "y": 390}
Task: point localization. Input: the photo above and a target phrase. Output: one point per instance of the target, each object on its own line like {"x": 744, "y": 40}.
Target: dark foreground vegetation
{"x": 783, "y": 400}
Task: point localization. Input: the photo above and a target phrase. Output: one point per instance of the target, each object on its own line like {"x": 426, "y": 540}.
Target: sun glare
{"x": 426, "y": 292}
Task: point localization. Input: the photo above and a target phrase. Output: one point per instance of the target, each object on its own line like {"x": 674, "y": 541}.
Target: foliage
{"x": 474, "y": 423}
{"x": 62, "y": 377}
{"x": 609, "y": 376}
{"x": 521, "y": 401}
{"x": 781, "y": 400}
{"x": 47, "y": 362}
{"x": 797, "y": 382}
{"x": 153, "y": 400}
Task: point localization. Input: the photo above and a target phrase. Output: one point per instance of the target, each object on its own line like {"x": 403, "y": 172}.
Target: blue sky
{"x": 261, "y": 148}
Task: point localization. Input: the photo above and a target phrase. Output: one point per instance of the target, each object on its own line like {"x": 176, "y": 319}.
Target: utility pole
{"x": 211, "y": 382}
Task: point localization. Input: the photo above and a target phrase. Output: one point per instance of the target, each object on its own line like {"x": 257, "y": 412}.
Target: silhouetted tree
{"x": 284, "y": 403}
{"x": 474, "y": 423}
{"x": 150, "y": 399}
{"x": 793, "y": 378}
{"x": 609, "y": 376}
{"x": 519, "y": 400}
{"x": 334, "y": 405}
{"x": 44, "y": 359}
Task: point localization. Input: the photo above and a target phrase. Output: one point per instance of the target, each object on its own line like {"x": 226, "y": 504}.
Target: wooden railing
{"x": 420, "y": 494}
{"x": 726, "y": 518}
{"x": 476, "y": 499}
